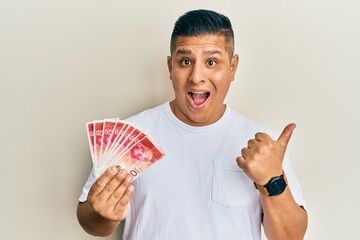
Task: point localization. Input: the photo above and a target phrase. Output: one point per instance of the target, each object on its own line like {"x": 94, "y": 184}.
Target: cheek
{"x": 176, "y": 85}
{"x": 221, "y": 81}
{"x": 221, "y": 92}
{"x": 179, "y": 78}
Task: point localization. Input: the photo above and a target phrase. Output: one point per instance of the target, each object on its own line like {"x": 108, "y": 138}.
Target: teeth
{"x": 199, "y": 97}
{"x": 198, "y": 93}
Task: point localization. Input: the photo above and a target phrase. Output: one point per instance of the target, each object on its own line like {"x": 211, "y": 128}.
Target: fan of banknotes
{"x": 114, "y": 142}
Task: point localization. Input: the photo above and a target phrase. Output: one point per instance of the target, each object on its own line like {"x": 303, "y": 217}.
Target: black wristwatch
{"x": 274, "y": 187}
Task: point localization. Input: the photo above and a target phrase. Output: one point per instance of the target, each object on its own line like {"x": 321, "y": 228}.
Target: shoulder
{"x": 247, "y": 125}
{"x": 149, "y": 117}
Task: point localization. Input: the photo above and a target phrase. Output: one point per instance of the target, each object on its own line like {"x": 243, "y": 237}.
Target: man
{"x": 223, "y": 175}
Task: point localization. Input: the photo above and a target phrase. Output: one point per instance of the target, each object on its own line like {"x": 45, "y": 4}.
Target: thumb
{"x": 286, "y": 134}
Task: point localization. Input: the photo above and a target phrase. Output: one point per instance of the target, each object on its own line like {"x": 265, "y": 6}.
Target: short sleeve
{"x": 85, "y": 191}
{"x": 293, "y": 182}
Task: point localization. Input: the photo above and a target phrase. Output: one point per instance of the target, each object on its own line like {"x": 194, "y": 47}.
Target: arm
{"x": 261, "y": 160}
{"x": 107, "y": 203}
{"x": 283, "y": 217}
{"x": 93, "y": 223}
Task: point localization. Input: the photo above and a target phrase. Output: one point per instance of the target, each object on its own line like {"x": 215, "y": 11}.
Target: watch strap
{"x": 262, "y": 189}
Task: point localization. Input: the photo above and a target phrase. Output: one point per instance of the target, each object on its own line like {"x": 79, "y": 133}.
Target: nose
{"x": 197, "y": 75}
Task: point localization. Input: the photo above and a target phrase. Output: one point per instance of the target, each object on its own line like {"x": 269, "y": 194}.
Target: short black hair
{"x": 202, "y": 22}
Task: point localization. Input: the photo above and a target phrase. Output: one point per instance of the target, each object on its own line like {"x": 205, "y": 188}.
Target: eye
{"x": 211, "y": 63}
{"x": 185, "y": 62}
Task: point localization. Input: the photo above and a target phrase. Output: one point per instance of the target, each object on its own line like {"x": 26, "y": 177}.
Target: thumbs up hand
{"x": 262, "y": 158}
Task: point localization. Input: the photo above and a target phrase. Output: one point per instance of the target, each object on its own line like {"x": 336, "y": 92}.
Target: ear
{"x": 169, "y": 64}
{"x": 233, "y": 66}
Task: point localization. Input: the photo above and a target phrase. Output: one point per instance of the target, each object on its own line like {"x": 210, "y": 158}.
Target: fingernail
{"x": 131, "y": 188}
{"x": 123, "y": 172}
{"x": 129, "y": 178}
{"x": 113, "y": 170}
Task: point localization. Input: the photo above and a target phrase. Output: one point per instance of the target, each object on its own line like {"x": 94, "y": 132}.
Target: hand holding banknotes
{"x": 263, "y": 157}
{"x": 120, "y": 152}
{"x": 111, "y": 193}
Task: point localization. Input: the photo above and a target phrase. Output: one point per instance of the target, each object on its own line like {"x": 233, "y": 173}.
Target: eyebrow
{"x": 183, "y": 52}
{"x": 208, "y": 52}
{"x": 212, "y": 52}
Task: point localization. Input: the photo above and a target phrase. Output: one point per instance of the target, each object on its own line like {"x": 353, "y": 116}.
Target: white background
{"x": 63, "y": 63}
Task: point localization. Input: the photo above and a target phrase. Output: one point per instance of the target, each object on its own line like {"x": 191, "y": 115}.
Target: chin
{"x": 200, "y": 121}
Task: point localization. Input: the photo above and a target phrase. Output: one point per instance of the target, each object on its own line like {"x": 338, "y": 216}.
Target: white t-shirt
{"x": 197, "y": 191}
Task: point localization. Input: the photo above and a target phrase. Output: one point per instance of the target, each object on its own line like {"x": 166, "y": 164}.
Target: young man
{"x": 223, "y": 174}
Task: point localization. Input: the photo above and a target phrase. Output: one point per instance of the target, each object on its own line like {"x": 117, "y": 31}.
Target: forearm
{"x": 93, "y": 223}
{"x": 283, "y": 217}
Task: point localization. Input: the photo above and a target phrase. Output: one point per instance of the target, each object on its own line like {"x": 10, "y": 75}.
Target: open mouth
{"x": 198, "y": 98}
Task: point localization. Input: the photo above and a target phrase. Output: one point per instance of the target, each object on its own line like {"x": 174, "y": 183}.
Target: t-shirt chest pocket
{"x": 231, "y": 187}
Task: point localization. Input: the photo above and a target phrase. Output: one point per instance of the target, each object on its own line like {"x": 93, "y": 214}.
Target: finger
{"x": 260, "y": 136}
{"x": 252, "y": 143}
{"x": 241, "y": 162}
{"x": 113, "y": 184}
{"x": 103, "y": 180}
{"x": 120, "y": 190}
{"x": 123, "y": 202}
{"x": 285, "y": 136}
{"x": 245, "y": 152}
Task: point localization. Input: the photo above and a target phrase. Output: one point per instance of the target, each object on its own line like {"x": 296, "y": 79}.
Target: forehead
{"x": 208, "y": 42}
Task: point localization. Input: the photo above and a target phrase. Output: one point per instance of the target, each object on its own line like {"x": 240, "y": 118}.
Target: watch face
{"x": 276, "y": 186}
